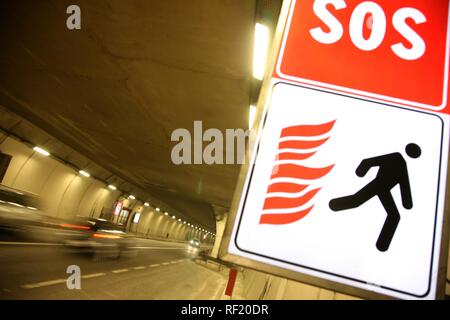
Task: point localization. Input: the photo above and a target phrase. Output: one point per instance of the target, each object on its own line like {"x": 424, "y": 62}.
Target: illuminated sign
{"x": 136, "y": 217}
{"x": 394, "y": 51}
{"x": 118, "y": 208}
{"x": 347, "y": 185}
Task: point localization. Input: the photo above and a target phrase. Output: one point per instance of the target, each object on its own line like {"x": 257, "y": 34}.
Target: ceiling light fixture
{"x": 84, "y": 173}
{"x": 41, "y": 151}
{"x": 260, "y": 47}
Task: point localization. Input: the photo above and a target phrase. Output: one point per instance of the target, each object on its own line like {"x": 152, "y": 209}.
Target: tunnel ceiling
{"x": 137, "y": 70}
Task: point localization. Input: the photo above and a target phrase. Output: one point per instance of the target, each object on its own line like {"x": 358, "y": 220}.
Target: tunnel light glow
{"x": 166, "y": 213}
{"x": 105, "y": 236}
{"x": 251, "y": 116}
{"x": 179, "y": 220}
{"x": 84, "y": 173}
{"x": 173, "y": 217}
{"x": 131, "y": 197}
{"x": 261, "y": 44}
{"x": 16, "y": 204}
{"x": 74, "y": 226}
{"x": 136, "y": 218}
{"x": 146, "y": 204}
{"x": 41, "y": 151}
{"x": 112, "y": 187}
{"x": 158, "y": 209}
{"x": 184, "y": 222}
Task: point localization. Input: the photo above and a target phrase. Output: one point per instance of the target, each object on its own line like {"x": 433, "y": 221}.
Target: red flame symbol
{"x": 286, "y": 199}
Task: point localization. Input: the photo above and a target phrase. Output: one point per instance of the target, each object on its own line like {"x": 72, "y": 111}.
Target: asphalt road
{"x": 160, "y": 270}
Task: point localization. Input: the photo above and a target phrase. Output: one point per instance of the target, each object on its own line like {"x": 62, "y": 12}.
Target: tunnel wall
{"x": 155, "y": 224}
{"x": 65, "y": 194}
{"x": 261, "y": 286}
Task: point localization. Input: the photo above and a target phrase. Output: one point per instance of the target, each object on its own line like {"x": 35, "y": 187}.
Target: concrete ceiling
{"x": 138, "y": 69}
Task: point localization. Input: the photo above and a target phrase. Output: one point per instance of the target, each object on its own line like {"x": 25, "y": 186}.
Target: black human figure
{"x": 392, "y": 171}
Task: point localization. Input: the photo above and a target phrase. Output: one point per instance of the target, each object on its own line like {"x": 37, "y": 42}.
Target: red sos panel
{"x": 394, "y": 51}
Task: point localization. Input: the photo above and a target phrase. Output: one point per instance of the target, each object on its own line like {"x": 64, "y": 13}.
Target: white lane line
{"x": 173, "y": 262}
{"x": 165, "y": 263}
{"x": 154, "y": 265}
{"x": 93, "y": 275}
{"x": 139, "y": 268}
{"x": 43, "y": 284}
{"x": 29, "y": 243}
{"x": 119, "y": 270}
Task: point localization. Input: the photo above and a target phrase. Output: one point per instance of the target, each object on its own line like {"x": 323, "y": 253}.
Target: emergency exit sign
{"x": 347, "y": 180}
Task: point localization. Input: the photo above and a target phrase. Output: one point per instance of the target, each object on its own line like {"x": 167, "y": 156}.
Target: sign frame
{"x": 246, "y": 168}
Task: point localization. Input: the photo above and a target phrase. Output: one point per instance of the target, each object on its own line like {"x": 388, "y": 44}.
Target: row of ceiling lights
{"x": 132, "y": 197}
{"x": 174, "y": 217}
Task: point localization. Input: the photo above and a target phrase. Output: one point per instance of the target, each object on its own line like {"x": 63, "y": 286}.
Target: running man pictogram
{"x": 392, "y": 171}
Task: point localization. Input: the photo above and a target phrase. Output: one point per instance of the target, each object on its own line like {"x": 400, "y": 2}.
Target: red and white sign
{"x": 118, "y": 208}
{"x": 349, "y": 167}
{"x": 395, "y": 51}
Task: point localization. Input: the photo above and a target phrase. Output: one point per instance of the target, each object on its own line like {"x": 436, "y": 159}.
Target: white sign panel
{"x": 347, "y": 190}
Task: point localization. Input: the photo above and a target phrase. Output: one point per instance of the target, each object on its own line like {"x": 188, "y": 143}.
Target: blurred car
{"x": 99, "y": 238}
{"x": 195, "y": 242}
{"x": 19, "y": 211}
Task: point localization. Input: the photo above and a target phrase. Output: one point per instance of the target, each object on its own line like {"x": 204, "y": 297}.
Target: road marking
{"x": 154, "y": 265}
{"x": 29, "y": 243}
{"x": 43, "y": 284}
{"x": 139, "y": 268}
{"x": 93, "y": 275}
{"x": 166, "y": 263}
{"x": 120, "y": 270}
{"x": 173, "y": 262}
